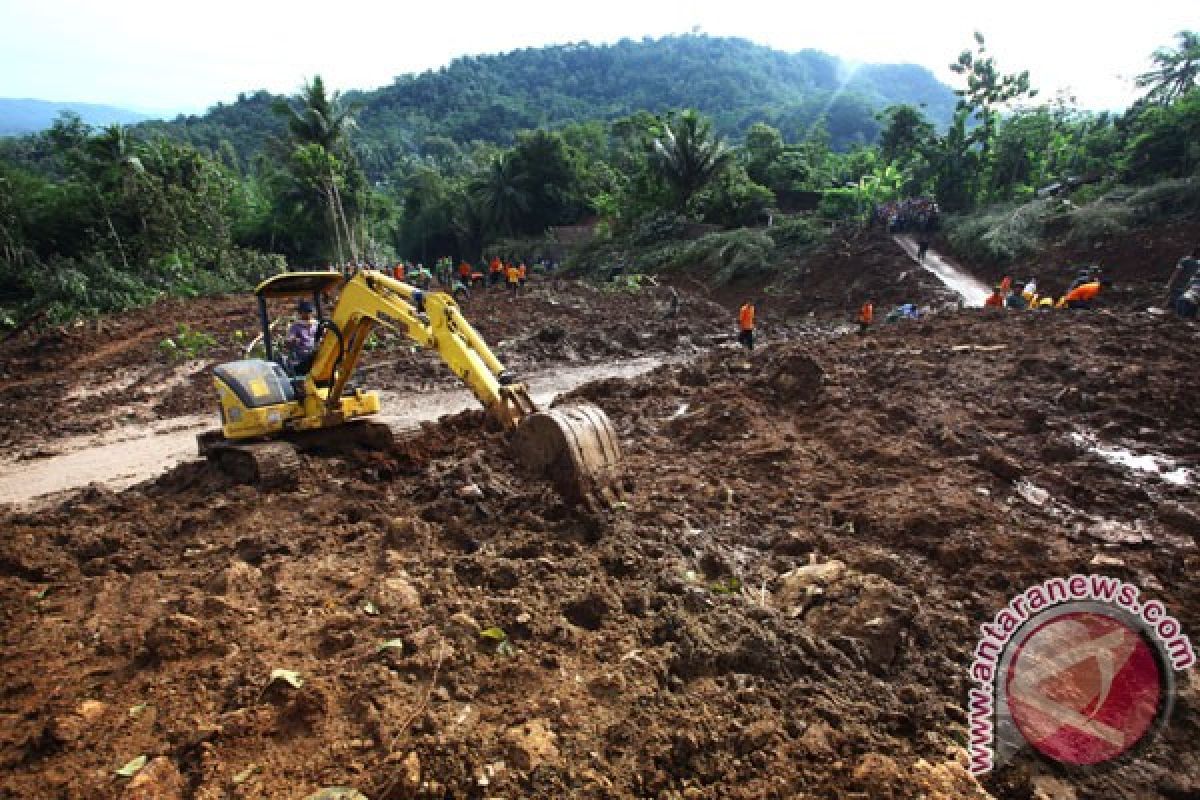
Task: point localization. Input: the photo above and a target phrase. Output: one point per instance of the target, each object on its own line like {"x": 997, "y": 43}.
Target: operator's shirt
{"x": 302, "y": 337}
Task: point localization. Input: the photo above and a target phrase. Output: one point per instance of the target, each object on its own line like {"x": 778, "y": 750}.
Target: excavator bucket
{"x": 576, "y": 447}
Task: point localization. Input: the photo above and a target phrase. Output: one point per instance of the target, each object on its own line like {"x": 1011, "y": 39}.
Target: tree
{"x": 688, "y": 156}
{"x": 988, "y": 91}
{"x": 321, "y": 164}
{"x": 1175, "y": 73}
{"x": 502, "y": 194}
{"x": 905, "y": 134}
{"x": 316, "y": 117}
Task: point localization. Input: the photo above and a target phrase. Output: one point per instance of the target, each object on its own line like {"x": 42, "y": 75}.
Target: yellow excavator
{"x": 270, "y": 410}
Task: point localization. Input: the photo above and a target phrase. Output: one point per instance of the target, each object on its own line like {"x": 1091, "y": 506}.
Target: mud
{"x": 784, "y": 604}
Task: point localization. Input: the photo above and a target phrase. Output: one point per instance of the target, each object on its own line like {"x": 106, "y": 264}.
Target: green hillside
{"x": 490, "y": 98}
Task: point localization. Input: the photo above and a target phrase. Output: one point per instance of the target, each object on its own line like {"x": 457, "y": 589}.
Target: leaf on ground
{"x": 245, "y": 774}
{"x": 390, "y": 644}
{"x": 133, "y": 767}
{"x": 288, "y": 676}
{"x": 493, "y": 633}
{"x": 370, "y": 609}
{"x": 136, "y": 711}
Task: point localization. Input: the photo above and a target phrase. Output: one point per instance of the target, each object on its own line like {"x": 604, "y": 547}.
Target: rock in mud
{"x": 397, "y": 595}
{"x": 404, "y": 531}
{"x": 531, "y": 745}
{"x": 158, "y": 780}
{"x": 794, "y": 585}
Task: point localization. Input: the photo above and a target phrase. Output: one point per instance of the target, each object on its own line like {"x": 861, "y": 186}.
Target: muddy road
{"x": 121, "y": 457}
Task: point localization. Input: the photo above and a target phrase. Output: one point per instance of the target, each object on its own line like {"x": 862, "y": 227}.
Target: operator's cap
{"x": 305, "y": 306}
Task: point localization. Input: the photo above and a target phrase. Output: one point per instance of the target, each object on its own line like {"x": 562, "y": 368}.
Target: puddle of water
{"x": 1166, "y": 468}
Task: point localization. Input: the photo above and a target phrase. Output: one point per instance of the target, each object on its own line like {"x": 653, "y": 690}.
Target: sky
{"x": 184, "y": 56}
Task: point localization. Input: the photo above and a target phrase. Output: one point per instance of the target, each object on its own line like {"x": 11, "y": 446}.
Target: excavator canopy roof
{"x": 298, "y": 284}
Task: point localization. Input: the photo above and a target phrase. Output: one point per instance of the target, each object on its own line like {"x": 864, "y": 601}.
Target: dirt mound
{"x": 784, "y": 605}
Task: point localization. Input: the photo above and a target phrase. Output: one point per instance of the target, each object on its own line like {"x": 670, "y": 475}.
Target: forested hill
{"x": 490, "y": 98}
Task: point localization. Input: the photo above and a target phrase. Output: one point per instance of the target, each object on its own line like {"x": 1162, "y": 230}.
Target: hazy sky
{"x": 178, "y": 55}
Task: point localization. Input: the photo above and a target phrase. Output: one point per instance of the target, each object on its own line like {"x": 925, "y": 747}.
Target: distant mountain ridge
{"x": 19, "y": 116}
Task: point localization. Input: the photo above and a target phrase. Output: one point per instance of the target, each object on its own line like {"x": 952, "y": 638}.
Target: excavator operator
{"x": 301, "y": 340}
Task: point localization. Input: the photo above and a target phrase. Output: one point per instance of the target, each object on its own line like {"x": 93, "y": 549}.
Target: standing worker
{"x": 866, "y": 315}
{"x": 746, "y": 325}
{"x": 514, "y": 279}
{"x": 521, "y": 273}
{"x": 1181, "y": 279}
{"x": 922, "y": 248}
{"x": 495, "y": 271}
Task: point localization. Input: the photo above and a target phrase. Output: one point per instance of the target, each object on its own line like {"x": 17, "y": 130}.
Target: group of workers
{"x": 1082, "y": 293}
{"x": 459, "y": 280}
{"x": 918, "y": 214}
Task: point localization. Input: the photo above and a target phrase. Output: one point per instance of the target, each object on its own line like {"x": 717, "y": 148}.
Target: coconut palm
{"x": 317, "y": 117}
{"x": 688, "y": 156}
{"x": 1176, "y": 71}
{"x": 502, "y": 194}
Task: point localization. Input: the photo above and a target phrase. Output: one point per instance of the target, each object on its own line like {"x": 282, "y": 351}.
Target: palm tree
{"x": 688, "y": 156}
{"x": 1176, "y": 71}
{"x": 502, "y": 194}
{"x": 317, "y": 117}
{"x": 321, "y": 120}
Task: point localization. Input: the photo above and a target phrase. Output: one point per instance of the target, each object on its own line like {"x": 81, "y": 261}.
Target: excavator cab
{"x": 268, "y": 410}
{"x": 316, "y": 287}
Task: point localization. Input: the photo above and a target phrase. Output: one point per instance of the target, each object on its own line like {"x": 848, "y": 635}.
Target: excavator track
{"x": 575, "y": 447}
{"x": 274, "y": 464}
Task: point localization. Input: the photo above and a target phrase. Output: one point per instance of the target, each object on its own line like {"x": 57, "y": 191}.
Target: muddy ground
{"x": 783, "y": 604}
{"x": 456, "y": 631}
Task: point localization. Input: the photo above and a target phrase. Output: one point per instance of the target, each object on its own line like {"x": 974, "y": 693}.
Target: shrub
{"x": 839, "y": 203}
{"x": 729, "y": 255}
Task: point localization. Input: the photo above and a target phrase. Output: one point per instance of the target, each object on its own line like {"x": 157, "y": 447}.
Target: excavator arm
{"x": 431, "y": 320}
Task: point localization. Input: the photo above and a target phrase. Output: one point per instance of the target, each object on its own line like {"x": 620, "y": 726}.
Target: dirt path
{"x": 132, "y": 454}
{"x": 972, "y": 290}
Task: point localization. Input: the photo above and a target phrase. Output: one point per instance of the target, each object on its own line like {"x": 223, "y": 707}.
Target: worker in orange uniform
{"x": 995, "y": 299}
{"x": 746, "y": 325}
{"x": 1082, "y": 295}
{"x": 495, "y": 271}
{"x": 513, "y": 275}
{"x": 521, "y": 273}
{"x": 464, "y": 273}
{"x": 866, "y": 315}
